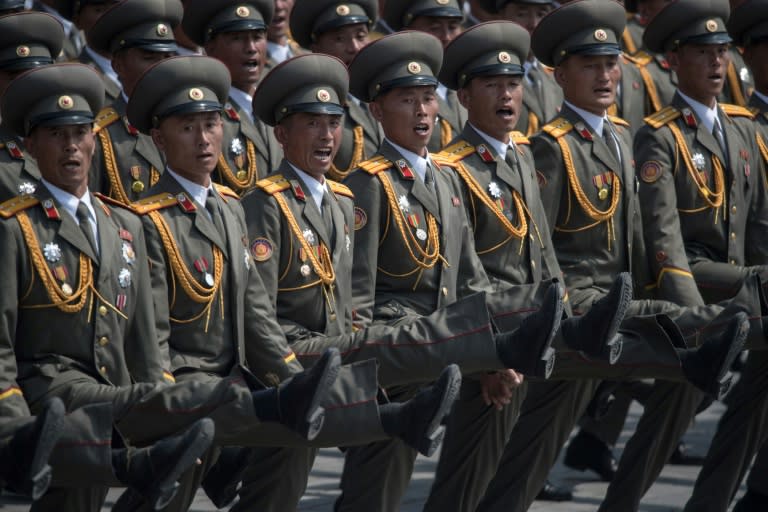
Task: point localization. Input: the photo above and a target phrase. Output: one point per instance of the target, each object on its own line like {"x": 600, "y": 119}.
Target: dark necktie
{"x": 717, "y": 131}
{"x": 611, "y": 140}
{"x": 327, "y": 212}
{"x": 213, "y": 209}
{"x": 84, "y": 219}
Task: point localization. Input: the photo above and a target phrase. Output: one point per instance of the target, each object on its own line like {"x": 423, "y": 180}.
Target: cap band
{"x": 404, "y": 81}
{"x": 59, "y": 119}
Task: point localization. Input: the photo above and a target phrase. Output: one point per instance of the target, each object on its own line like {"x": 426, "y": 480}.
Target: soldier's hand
{"x": 497, "y": 387}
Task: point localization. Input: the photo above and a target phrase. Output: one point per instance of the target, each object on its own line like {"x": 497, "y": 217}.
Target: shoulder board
{"x": 340, "y": 189}
{"x": 736, "y": 110}
{"x": 225, "y": 191}
{"x": 619, "y": 121}
{"x": 14, "y": 205}
{"x": 662, "y": 117}
{"x": 640, "y": 58}
{"x": 455, "y": 152}
{"x": 104, "y": 118}
{"x": 153, "y": 203}
{"x": 113, "y": 202}
{"x": 376, "y": 165}
{"x": 273, "y": 184}
{"x": 558, "y": 127}
{"x": 519, "y": 138}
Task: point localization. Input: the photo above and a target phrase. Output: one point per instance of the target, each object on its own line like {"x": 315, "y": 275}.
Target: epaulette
{"x": 662, "y": 117}
{"x": 154, "y": 203}
{"x": 375, "y": 165}
{"x": 455, "y": 152}
{"x": 14, "y": 151}
{"x": 340, "y": 189}
{"x": 736, "y": 110}
{"x": 225, "y": 191}
{"x": 619, "y": 121}
{"x": 113, "y": 202}
{"x": 104, "y": 118}
{"x": 16, "y": 204}
{"x": 519, "y": 138}
{"x": 558, "y": 127}
{"x": 640, "y": 58}
{"x": 274, "y": 184}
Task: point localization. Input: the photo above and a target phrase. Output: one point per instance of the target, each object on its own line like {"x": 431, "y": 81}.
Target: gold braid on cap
{"x": 581, "y": 197}
{"x": 357, "y": 156}
{"x": 714, "y": 200}
{"x": 179, "y": 271}
{"x": 251, "y": 173}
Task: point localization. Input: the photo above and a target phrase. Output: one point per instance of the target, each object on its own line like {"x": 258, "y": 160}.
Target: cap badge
{"x": 22, "y": 51}
{"x": 711, "y": 25}
{"x": 504, "y": 58}
{"x": 601, "y": 35}
{"x": 342, "y": 10}
{"x": 242, "y": 12}
{"x": 323, "y": 95}
{"x": 414, "y": 68}
{"x": 162, "y": 30}
{"x": 196, "y": 94}
{"x": 66, "y": 102}
{"x": 442, "y": 2}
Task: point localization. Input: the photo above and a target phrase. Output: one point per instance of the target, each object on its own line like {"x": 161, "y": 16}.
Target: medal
{"x": 603, "y": 194}
{"x": 247, "y": 258}
{"x": 137, "y": 186}
{"x": 208, "y": 279}
{"x": 236, "y": 147}
{"x": 129, "y": 256}
{"x": 121, "y": 301}
{"x": 305, "y": 270}
{"x": 124, "y": 278}
{"x": 66, "y": 289}
{"x": 494, "y": 190}
{"x": 201, "y": 265}
{"x": 52, "y": 252}
{"x": 403, "y": 203}
{"x": 421, "y": 234}
{"x": 698, "y": 161}
{"x": 241, "y": 175}
{"x": 26, "y": 188}
{"x": 309, "y": 236}
{"x": 347, "y": 242}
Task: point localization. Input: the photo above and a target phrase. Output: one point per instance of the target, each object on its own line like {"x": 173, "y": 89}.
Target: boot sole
{"x": 203, "y": 432}
{"x": 450, "y": 381}
{"x": 313, "y": 422}
{"x": 546, "y": 362}
{"x": 39, "y": 476}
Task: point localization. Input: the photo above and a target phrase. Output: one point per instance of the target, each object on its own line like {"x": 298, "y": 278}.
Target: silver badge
{"x": 744, "y": 74}
{"x": 128, "y": 255}
{"x": 52, "y": 252}
{"x": 247, "y": 259}
{"x": 494, "y": 190}
{"x": 305, "y": 270}
{"x": 48, "y": 204}
{"x": 421, "y": 234}
{"x": 698, "y": 161}
{"x": 236, "y": 146}
{"x": 309, "y": 236}
{"x": 403, "y": 203}
{"x": 27, "y": 188}
{"x": 208, "y": 279}
{"x": 124, "y": 278}
{"x": 347, "y": 241}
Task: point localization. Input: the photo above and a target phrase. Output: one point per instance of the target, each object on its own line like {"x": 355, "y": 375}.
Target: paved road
{"x": 668, "y": 494}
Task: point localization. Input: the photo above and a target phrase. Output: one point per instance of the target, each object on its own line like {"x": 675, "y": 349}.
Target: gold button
{"x": 103, "y": 370}
{"x": 241, "y": 175}
{"x": 733, "y": 209}
{"x": 733, "y": 262}
{"x": 103, "y": 341}
{"x": 103, "y": 310}
{"x": 733, "y": 235}
{"x": 445, "y": 291}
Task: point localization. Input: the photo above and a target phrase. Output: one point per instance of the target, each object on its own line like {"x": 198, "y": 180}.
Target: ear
{"x": 673, "y": 57}
{"x": 281, "y": 133}
{"x": 375, "y": 109}
{"x": 117, "y": 63}
{"x": 463, "y": 94}
{"x": 158, "y": 139}
{"x": 560, "y": 75}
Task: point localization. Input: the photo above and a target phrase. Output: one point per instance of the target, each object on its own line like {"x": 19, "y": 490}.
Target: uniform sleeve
{"x": 550, "y": 175}
{"x": 655, "y": 157}
{"x": 263, "y": 222}
{"x": 757, "y": 222}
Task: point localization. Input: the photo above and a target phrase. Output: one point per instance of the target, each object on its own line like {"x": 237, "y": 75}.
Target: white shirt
{"x": 496, "y": 144}
{"x": 104, "y": 65}
{"x": 198, "y": 192}
{"x": 705, "y": 114}
{"x": 279, "y": 52}
{"x": 441, "y": 90}
{"x": 416, "y": 162}
{"x": 315, "y": 187}
{"x": 594, "y": 121}
{"x": 243, "y": 100}
{"x": 70, "y": 203}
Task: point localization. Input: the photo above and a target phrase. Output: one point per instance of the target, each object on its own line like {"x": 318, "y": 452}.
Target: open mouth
{"x": 505, "y": 113}
{"x": 251, "y": 64}
{"x": 323, "y": 154}
{"x": 421, "y": 129}
{"x": 71, "y": 165}
{"x": 715, "y": 77}
{"x": 205, "y": 156}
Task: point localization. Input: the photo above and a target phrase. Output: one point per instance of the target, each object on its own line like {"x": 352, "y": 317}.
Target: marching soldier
{"x": 442, "y": 19}
{"x": 27, "y": 40}
{"x": 136, "y": 33}
{"x": 73, "y": 40}
{"x": 235, "y": 33}
{"x": 280, "y": 45}
{"x": 325, "y": 26}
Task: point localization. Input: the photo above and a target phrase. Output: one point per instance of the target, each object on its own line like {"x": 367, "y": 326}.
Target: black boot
{"x": 585, "y": 451}
{"x": 528, "y": 348}
{"x": 24, "y": 457}
{"x": 708, "y": 366}
{"x": 552, "y": 492}
{"x": 596, "y": 333}
{"x": 151, "y": 473}
{"x": 752, "y": 501}
{"x": 418, "y": 421}
{"x": 223, "y": 478}
{"x": 295, "y": 403}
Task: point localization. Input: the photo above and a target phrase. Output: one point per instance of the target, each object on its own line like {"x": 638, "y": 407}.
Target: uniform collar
{"x": 705, "y": 114}
{"x": 243, "y": 100}
{"x": 198, "y": 192}
{"x": 104, "y": 65}
{"x": 279, "y": 52}
{"x": 594, "y": 121}
{"x": 316, "y": 189}
{"x": 496, "y": 144}
{"x": 69, "y": 201}
{"x": 417, "y": 163}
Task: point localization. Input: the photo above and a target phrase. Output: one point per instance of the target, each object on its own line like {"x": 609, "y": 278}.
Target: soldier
{"x": 28, "y": 40}
{"x": 407, "y": 207}
{"x": 280, "y": 45}
{"x": 220, "y": 314}
{"x": 73, "y": 41}
{"x": 234, "y": 32}
{"x": 325, "y": 26}
{"x": 313, "y": 297}
{"x": 593, "y": 212}
{"x": 136, "y": 33}
{"x": 442, "y": 19}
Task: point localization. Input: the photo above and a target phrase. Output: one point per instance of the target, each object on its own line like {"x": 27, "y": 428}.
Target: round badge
{"x": 162, "y": 30}
{"x": 711, "y": 25}
{"x": 209, "y": 279}
{"x": 22, "y": 51}
{"x": 421, "y": 234}
{"x": 66, "y": 289}
{"x": 443, "y": 2}
{"x": 601, "y": 35}
{"x": 305, "y": 270}
{"x": 66, "y": 102}
{"x": 361, "y": 219}
{"x": 242, "y": 12}
{"x": 323, "y": 95}
{"x": 261, "y": 249}
{"x": 196, "y": 94}
{"x": 342, "y": 10}
{"x": 414, "y": 68}
{"x": 650, "y": 171}
{"x": 603, "y": 194}
{"x": 504, "y": 58}
{"x": 241, "y": 175}
{"x": 137, "y": 187}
